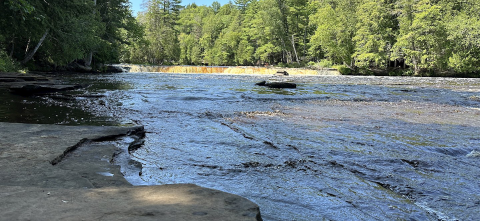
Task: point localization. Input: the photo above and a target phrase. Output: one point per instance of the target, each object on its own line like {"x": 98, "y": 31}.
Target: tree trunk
{"x": 28, "y": 46}
{"x": 29, "y": 56}
{"x": 13, "y": 47}
{"x": 415, "y": 65}
{"x": 305, "y": 41}
{"x": 88, "y": 59}
{"x": 294, "y": 49}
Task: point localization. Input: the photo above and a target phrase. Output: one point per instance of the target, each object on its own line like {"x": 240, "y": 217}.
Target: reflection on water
{"x": 87, "y": 106}
{"x": 46, "y": 110}
{"x": 355, "y": 148}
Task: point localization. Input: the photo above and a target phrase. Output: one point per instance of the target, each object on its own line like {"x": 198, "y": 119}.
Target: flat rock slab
{"x": 52, "y": 172}
{"x": 30, "y": 89}
{"x": 31, "y": 84}
{"x": 166, "y": 202}
{"x": 19, "y": 77}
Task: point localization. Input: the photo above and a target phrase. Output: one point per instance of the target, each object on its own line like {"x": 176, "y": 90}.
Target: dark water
{"x": 335, "y": 148}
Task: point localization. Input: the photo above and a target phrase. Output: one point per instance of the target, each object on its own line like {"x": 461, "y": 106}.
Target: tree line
{"x": 354, "y": 35}
{"x": 53, "y": 33}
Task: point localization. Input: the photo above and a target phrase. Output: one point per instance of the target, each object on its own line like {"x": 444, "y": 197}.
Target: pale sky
{"x": 137, "y": 4}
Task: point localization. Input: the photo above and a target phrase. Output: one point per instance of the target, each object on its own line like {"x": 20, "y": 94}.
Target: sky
{"x": 137, "y": 4}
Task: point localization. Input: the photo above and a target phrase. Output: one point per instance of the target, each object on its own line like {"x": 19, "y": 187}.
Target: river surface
{"x": 334, "y": 148}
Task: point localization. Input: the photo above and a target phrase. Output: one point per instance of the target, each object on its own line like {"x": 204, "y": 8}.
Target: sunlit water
{"x": 335, "y": 148}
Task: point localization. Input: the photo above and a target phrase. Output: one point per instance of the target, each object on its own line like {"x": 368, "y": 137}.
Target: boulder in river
{"x": 284, "y": 73}
{"x": 76, "y": 67}
{"x": 277, "y": 84}
{"x": 113, "y": 69}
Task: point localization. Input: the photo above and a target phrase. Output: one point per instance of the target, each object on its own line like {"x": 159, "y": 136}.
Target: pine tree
{"x": 336, "y": 27}
{"x": 423, "y": 38}
{"x": 374, "y": 37}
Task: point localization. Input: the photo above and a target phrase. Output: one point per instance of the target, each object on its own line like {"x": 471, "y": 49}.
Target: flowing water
{"x": 335, "y": 148}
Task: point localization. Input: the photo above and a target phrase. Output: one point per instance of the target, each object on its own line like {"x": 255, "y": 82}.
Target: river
{"x": 334, "y": 148}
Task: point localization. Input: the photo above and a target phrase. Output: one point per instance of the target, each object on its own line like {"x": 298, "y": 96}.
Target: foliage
{"x": 357, "y": 36}
{"x": 343, "y": 69}
{"x": 464, "y": 35}
{"x": 336, "y": 27}
{"x": 6, "y": 63}
{"x": 324, "y": 63}
{"x": 374, "y": 36}
{"x": 423, "y": 37}
{"x": 55, "y": 32}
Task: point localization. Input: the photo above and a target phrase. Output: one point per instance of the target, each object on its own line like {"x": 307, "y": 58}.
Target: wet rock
{"x": 285, "y": 73}
{"x": 281, "y": 85}
{"x": 474, "y": 153}
{"x": 208, "y": 166}
{"x": 135, "y": 145}
{"x": 10, "y": 78}
{"x": 413, "y": 163}
{"x": 31, "y": 89}
{"x": 114, "y": 69}
{"x": 277, "y": 84}
{"x": 251, "y": 164}
{"x": 76, "y": 67}
{"x": 261, "y": 83}
{"x": 270, "y": 144}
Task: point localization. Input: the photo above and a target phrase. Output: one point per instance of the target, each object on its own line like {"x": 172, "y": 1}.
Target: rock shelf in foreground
{"x": 83, "y": 185}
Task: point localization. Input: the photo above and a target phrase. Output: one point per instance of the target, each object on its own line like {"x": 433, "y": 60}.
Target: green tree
{"x": 463, "y": 27}
{"x": 246, "y": 46}
{"x": 299, "y": 19}
{"x": 54, "y": 33}
{"x": 422, "y": 40}
{"x": 375, "y": 35}
{"x": 218, "y": 39}
{"x": 242, "y": 4}
{"x": 267, "y": 33}
{"x": 160, "y": 29}
{"x": 191, "y": 23}
{"x": 336, "y": 24}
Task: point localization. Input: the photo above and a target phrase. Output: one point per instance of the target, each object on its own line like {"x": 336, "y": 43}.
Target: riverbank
{"x": 52, "y": 172}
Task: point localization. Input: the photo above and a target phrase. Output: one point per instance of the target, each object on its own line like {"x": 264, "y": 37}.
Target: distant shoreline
{"x": 233, "y": 70}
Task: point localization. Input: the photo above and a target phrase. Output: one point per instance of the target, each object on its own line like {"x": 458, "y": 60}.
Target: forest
{"x": 54, "y": 34}
{"x": 355, "y": 36}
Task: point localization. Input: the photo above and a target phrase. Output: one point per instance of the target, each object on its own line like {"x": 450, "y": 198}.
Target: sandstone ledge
{"x": 52, "y": 172}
